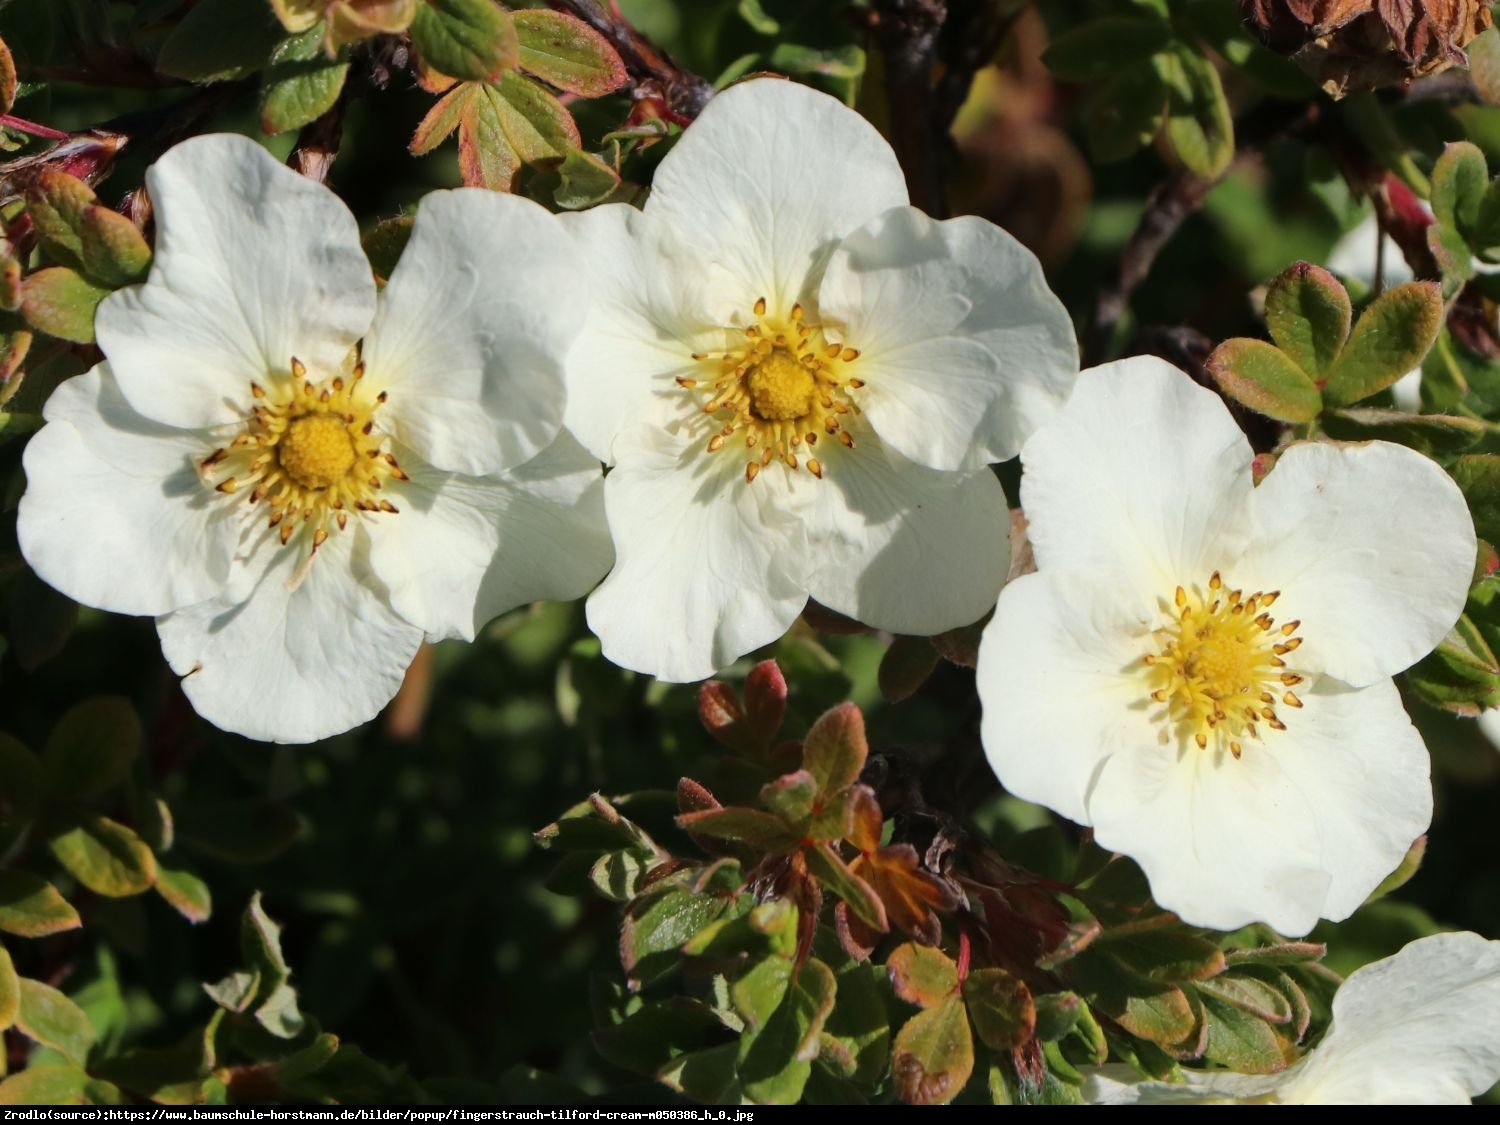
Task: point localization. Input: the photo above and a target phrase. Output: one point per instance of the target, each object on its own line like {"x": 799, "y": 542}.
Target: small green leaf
{"x": 219, "y": 40}
{"x": 775, "y": 1060}
{"x": 106, "y": 857}
{"x": 301, "y": 83}
{"x": 185, "y": 893}
{"x": 1454, "y": 257}
{"x": 92, "y": 747}
{"x": 45, "y": 1084}
{"x": 384, "y": 242}
{"x": 758, "y": 991}
{"x": 235, "y": 992}
{"x": 114, "y": 251}
{"x": 1484, "y": 64}
{"x": 537, "y": 125}
{"x": 1155, "y": 1011}
{"x": 1199, "y": 129}
{"x": 1283, "y": 953}
{"x": 444, "y": 117}
{"x": 1392, "y": 336}
{"x": 22, "y": 780}
{"x": 1255, "y": 997}
{"x": 759, "y": 829}
{"x": 1125, "y": 112}
{"x": 1264, "y": 378}
{"x": 1001, "y": 1007}
{"x": 10, "y": 991}
{"x": 1410, "y": 864}
{"x": 706, "y": 1077}
{"x": 1104, "y": 46}
{"x": 647, "y": 1040}
{"x": 835, "y": 749}
{"x": 1240, "y": 1041}
{"x": 1308, "y": 314}
{"x": 768, "y": 930}
{"x": 31, "y": 907}
{"x": 1433, "y": 434}
{"x": 860, "y": 1023}
{"x": 1169, "y": 954}
{"x": 53, "y": 1020}
{"x": 665, "y": 923}
{"x": 758, "y": 18}
{"x": 791, "y": 796}
{"x": 1478, "y": 476}
{"x": 1459, "y": 180}
{"x": 922, "y": 974}
{"x": 61, "y": 303}
{"x": 568, "y": 53}
{"x": 56, "y": 203}
{"x": 1461, "y": 675}
{"x": 836, "y": 876}
{"x": 585, "y": 180}
{"x": 933, "y": 1055}
{"x": 468, "y": 39}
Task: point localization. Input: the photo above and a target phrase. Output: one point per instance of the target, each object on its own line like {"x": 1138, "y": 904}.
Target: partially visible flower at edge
{"x": 800, "y": 381}
{"x": 301, "y": 479}
{"x": 1200, "y": 668}
{"x": 1421, "y": 1027}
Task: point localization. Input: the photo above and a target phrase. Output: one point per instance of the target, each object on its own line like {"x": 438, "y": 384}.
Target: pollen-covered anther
{"x": 1218, "y": 665}
{"x": 308, "y": 453}
{"x": 782, "y": 387}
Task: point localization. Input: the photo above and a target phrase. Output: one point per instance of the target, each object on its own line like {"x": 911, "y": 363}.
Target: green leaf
{"x": 1199, "y": 129}
{"x": 1410, "y": 864}
{"x": 235, "y": 992}
{"x": 758, "y": 829}
{"x": 1478, "y": 476}
{"x": 92, "y": 747}
{"x": 301, "y": 83}
{"x": 252, "y": 831}
{"x": 594, "y": 825}
{"x": 537, "y": 125}
{"x": 1170, "y": 954}
{"x": 1309, "y": 315}
{"x": 46, "y": 1084}
{"x": 568, "y": 53}
{"x": 618, "y": 875}
{"x": 1101, "y": 47}
{"x": 1392, "y": 336}
{"x": 445, "y": 116}
{"x": 10, "y": 991}
{"x": 1264, "y": 378}
{"x": 1001, "y": 1007}
{"x": 706, "y": 1077}
{"x": 922, "y": 974}
{"x": 53, "y": 1020}
{"x": 665, "y": 923}
{"x": 31, "y": 907}
{"x": 218, "y": 40}
{"x": 275, "y": 1004}
{"x": 836, "y": 876}
{"x": 647, "y": 1040}
{"x": 770, "y": 929}
{"x": 1453, "y": 255}
{"x": 775, "y": 1060}
{"x": 791, "y": 796}
{"x": 384, "y": 242}
{"x": 62, "y": 303}
{"x": 41, "y": 620}
{"x": 1249, "y": 995}
{"x": 1218, "y": 23}
{"x": 933, "y": 1055}
{"x": 468, "y": 39}
{"x": 585, "y": 180}
{"x": 1461, "y": 675}
{"x": 56, "y": 202}
{"x": 1484, "y": 64}
{"x": 1240, "y": 1041}
{"x": 1283, "y": 953}
{"x": 1433, "y": 434}
{"x": 835, "y": 749}
{"x": 758, "y": 991}
{"x": 860, "y": 1024}
{"x": 22, "y": 780}
{"x": 1125, "y": 112}
{"x": 185, "y": 893}
{"x": 757, "y": 17}
{"x": 105, "y": 856}
{"x": 114, "y": 251}
{"x": 1152, "y": 1010}
{"x": 1459, "y": 180}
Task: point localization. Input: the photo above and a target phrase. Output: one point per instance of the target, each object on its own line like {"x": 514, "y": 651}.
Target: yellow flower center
{"x": 783, "y": 386}
{"x": 310, "y": 453}
{"x": 317, "y": 451}
{"x": 1220, "y": 666}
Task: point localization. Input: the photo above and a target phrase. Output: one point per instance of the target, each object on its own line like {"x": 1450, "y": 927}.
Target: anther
{"x": 814, "y": 467}
{"x": 716, "y": 443}
{"x": 850, "y": 355}
{"x": 1291, "y": 700}
{"x": 1202, "y": 740}
{"x": 1215, "y": 581}
{"x": 687, "y": 384}
{"x": 760, "y": 307}
{"x": 845, "y": 440}
{"x": 299, "y": 369}
{"x": 1289, "y": 628}
{"x": 752, "y": 470}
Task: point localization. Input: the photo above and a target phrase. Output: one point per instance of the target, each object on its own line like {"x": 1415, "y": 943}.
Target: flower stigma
{"x": 783, "y": 386}
{"x": 1220, "y": 667}
{"x": 310, "y": 453}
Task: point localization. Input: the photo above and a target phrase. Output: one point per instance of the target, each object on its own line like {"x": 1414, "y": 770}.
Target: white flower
{"x": 1419, "y": 1028}
{"x": 800, "y": 380}
{"x": 299, "y": 478}
{"x": 1200, "y": 668}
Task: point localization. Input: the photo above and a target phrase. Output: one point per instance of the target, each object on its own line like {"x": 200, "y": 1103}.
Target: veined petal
{"x": 1372, "y": 548}
{"x": 656, "y": 302}
{"x": 704, "y": 563}
{"x": 294, "y": 664}
{"x": 1120, "y": 1084}
{"x": 964, "y": 350}
{"x": 1418, "y": 1028}
{"x": 1141, "y": 481}
{"x": 99, "y": 473}
{"x": 1224, "y": 842}
{"x": 473, "y": 329}
{"x": 463, "y": 550}
{"x": 254, "y": 265}
{"x": 1058, "y": 699}
{"x": 768, "y": 180}
{"x": 903, "y": 547}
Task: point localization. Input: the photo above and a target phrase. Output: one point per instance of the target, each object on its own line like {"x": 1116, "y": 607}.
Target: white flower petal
{"x": 100, "y": 475}
{"x": 1223, "y": 842}
{"x": 1057, "y": 698}
{"x": 1489, "y": 726}
{"x": 463, "y": 550}
{"x": 901, "y": 547}
{"x": 1418, "y": 1028}
{"x": 769, "y": 178}
{"x": 1142, "y": 481}
{"x": 1357, "y": 755}
{"x": 1354, "y": 255}
{"x": 473, "y": 328}
{"x": 1119, "y": 1084}
{"x": 254, "y": 265}
{"x": 964, "y": 349}
{"x": 703, "y": 571}
{"x": 1372, "y": 549}
{"x": 655, "y": 303}
{"x": 294, "y": 665}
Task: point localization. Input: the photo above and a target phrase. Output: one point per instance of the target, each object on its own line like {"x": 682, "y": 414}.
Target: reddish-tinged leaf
{"x": 865, "y": 818}
{"x": 837, "y": 877}
{"x": 791, "y": 796}
{"x": 485, "y": 156}
{"x": 933, "y": 1055}
{"x": 765, "y": 699}
{"x": 62, "y": 303}
{"x": 835, "y": 749}
{"x": 568, "y": 53}
{"x": 441, "y": 119}
{"x": 921, "y": 974}
{"x": 1001, "y": 1007}
{"x": 856, "y": 938}
{"x": 911, "y": 896}
{"x": 7, "y": 79}
{"x": 750, "y": 826}
{"x": 692, "y": 797}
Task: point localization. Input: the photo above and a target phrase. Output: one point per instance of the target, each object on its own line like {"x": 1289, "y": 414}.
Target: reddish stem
{"x": 963, "y": 954}
{"x": 21, "y": 125}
